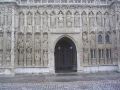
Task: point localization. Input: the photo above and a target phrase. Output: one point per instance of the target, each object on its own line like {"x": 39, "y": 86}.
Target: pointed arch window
{"x": 29, "y": 18}
{"x": 100, "y": 40}
{"x": 107, "y": 37}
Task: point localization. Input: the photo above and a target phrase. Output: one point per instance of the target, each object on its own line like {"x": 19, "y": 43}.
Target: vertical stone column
{"x": 12, "y": 40}
{"x": 79, "y": 50}
{"x": 119, "y": 51}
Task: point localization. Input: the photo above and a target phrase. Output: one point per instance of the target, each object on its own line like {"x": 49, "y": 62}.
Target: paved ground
{"x": 75, "y": 81}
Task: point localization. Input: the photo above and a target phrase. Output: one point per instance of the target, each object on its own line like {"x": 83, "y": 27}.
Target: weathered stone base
{"x": 99, "y": 68}
{"x": 8, "y": 72}
{"x": 31, "y": 70}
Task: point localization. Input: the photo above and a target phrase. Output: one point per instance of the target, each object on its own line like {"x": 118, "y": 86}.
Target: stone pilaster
{"x": 13, "y": 40}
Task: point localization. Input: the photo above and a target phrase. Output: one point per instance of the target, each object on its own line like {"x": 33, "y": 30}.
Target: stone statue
{"x": 8, "y": 58}
{"x": 37, "y": 49}
{"x": 29, "y": 49}
{"x": 20, "y": 48}
{"x": 1, "y": 40}
{"x": 9, "y": 41}
{"x": 85, "y": 39}
{"x": 45, "y": 42}
{"x": 92, "y": 39}
{"x": 45, "y": 58}
{"x": 45, "y": 49}
{"x": 1, "y": 57}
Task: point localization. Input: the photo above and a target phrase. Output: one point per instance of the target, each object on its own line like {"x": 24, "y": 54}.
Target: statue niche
{"x": 29, "y": 49}
{"x": 92, "y": 39}
{"x": 37, "y": 46}
{"x": 45, "y": 49}
{"x": 20, "y": 48}
{"x": 1, "y": 57}
{"x": 8, "y": 58}
{"x": 1, "y": 40}
{"x": 8, "y": 40}
{"x": 85, "y": 38}
{"x": 85, "y": 56}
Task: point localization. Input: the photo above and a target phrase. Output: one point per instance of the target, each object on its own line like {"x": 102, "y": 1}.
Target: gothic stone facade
{"x": 30, "y": 29}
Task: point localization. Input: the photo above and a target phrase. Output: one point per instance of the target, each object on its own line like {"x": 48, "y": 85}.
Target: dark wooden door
{"x": 65, "y": 56}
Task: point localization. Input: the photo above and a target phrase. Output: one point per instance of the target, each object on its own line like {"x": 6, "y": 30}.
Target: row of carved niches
{"x": 65, "y": 19}
{"x": 32, "y": 49}
{"x": 5, "y": 40}
{"x": 103, "y": 57}
{"x": 5, "y": 58}
{"x": 100, "y": 2}
{"x": 97, "y": 38}
{"x": 31, "y": 29}
{"x": 5, "y": 16}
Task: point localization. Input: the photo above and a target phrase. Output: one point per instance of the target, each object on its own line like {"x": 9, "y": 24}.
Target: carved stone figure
{"x": 85, "y": 39}
{"x": 29, "y": 49}
{"x": 91, "y": 19}
{"x": 8, "y": 58}
{"x": 45, "y": 58}
{"x": 1, "y": 58}
{"x": 1, "y": 40}
{"x": 20, "y": 48}
{"x": 92, "y": 39}
{"x": 9, "y": 41}
{"x": 85, "y": 55}
{"x": 45, "y": 48}
{"x": 37, "y": 49}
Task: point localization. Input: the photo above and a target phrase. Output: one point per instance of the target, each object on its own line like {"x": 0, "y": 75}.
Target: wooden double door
{"x": 65, "y": 56}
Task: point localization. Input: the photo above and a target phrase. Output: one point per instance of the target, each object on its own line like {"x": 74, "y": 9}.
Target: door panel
{"x": 65, "y": 55}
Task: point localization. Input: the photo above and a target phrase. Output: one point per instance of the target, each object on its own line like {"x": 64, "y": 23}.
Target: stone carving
{"x": 61, "y": 19}
{"x": 8, "y": 40}
{"x": 1, "y": 57}
{"x": 91, "y": 19}
{"x": 53, "y": 19}
{"x": 69, "y": 19}
{"x": 8, "y": 58}
{"x": 99, "y": 18}
{"x": 29, "y": 18}
{"x": 1, "y": 40}
{"x": 20, "y": 48}
{"x": 29, "y": 49}
{"x": 37, "y": 18}
{"x": 84, "y": 18}
{"x": 21, "y": 18}
{"x": 77, "y": 19}
{"x": 106, "y": 19}
{"x": 92, "y": 38}
{"x": 45, "y": 19}
{"x": 45, "y": 49}
{"x": 37, "y": 49}
{"x": 85, "y": 56}
{"x": 85, "y": 38}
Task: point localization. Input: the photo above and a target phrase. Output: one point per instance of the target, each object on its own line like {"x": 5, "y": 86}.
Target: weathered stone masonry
{"x": 30, "y": 29}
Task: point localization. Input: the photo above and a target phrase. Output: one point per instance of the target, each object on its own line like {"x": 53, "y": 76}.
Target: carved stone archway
{"x": 65, "y": 56}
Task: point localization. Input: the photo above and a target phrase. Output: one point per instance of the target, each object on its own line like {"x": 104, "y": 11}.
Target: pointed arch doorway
{"x": 65, "y": 56}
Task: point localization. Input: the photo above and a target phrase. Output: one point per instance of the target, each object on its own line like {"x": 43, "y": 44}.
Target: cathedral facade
{"x": 54, "y": 36}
